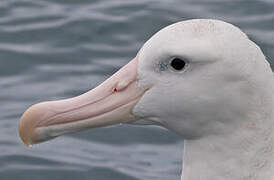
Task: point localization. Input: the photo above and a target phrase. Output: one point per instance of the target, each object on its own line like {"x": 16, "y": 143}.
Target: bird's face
{"x": 189, "y": 78}
{"x": 179, "y": 71}
{"x": 201, "y": 76}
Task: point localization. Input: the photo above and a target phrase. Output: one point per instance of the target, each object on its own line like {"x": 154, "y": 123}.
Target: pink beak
{"x": 109, "y": 103}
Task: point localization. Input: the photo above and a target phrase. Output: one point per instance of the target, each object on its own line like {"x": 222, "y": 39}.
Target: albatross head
{"x": 199, "y": 78}
{"x": 213, "y": 86}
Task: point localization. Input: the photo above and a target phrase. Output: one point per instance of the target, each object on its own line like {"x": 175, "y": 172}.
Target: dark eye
{"x": 177, "y": 64}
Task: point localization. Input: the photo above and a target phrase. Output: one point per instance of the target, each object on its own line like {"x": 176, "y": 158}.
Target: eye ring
{"x": 177, "y": 64}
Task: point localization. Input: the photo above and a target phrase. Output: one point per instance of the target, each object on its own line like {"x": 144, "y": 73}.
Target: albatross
{"x": 203, "y": 79}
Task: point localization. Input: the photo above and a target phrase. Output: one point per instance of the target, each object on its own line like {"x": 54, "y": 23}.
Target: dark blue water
{"x": 52, "y": 49}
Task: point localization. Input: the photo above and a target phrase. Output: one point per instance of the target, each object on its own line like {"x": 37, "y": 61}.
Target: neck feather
{"x": 245, "y": 152}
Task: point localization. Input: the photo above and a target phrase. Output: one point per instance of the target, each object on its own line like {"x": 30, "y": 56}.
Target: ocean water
{"x": 53, "y": 49}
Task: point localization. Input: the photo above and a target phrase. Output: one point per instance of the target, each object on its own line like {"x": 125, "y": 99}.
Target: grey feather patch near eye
{"x": 162, "y": 66}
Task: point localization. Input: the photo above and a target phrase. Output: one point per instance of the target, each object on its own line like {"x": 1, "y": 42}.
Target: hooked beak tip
{"x": 27, "y": 124}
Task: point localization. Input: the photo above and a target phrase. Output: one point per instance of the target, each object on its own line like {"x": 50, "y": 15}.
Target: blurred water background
{"x": 52, "y": 49}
